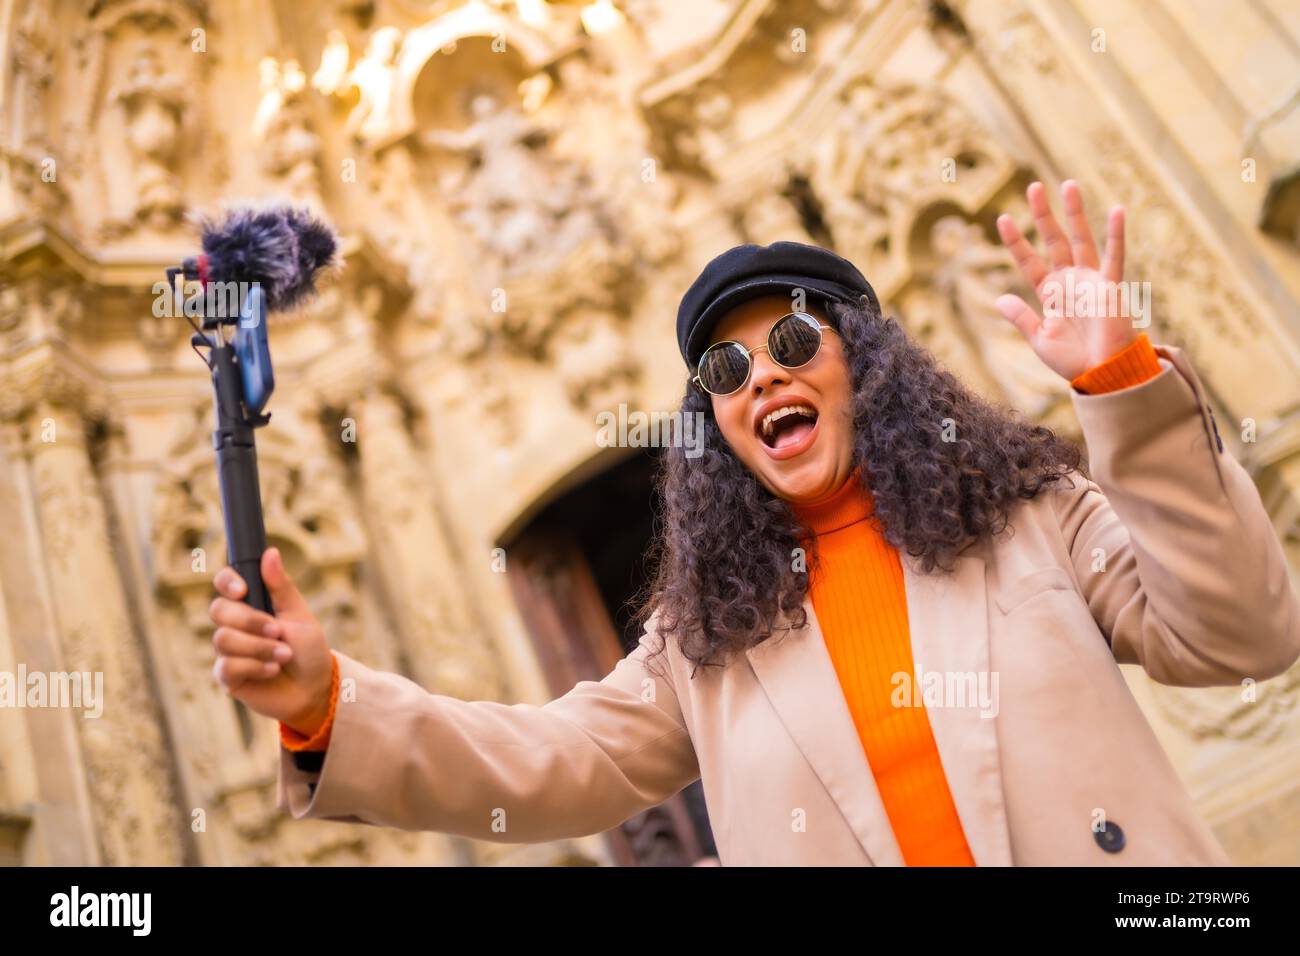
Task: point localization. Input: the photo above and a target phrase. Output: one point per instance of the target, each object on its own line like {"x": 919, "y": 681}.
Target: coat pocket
{"x": 1030, "y": 585}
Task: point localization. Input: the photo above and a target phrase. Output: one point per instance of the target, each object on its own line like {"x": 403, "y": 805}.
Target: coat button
{"x": 1110, "y": 839}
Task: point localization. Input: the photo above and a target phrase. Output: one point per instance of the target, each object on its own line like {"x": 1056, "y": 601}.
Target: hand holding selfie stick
{"x": 253, "y": 263}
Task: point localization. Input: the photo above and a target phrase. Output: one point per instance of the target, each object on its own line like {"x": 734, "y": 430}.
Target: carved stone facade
{"x": 524, "y": 191}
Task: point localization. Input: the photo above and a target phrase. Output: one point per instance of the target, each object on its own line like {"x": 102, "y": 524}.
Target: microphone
{"x": 280, "y": 248}
{"x": 275, "y": 254}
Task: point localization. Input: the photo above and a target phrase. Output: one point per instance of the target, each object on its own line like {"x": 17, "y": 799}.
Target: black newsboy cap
{"x": 749, "y": 271}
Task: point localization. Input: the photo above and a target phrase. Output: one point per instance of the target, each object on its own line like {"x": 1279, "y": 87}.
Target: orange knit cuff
{"x": 1131, "y": 365}
{"x": 291, "y": 740}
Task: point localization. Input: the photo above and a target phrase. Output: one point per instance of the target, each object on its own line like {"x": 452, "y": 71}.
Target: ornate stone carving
{"x": 595, "y": 361}
{"x": 289, "y": 149}
{"x": 893, "y": 151}
{"x": 39, "y": 307}
{"x": 154, "y": 102}
{"x": 445, "y": 648}
{"x": 972, "y": 272}
{"x": 29, "y": 171}
{"x": 543, "y": 241}
{"x": 304, "y": 502}
{"x": 126, "y": 760}
{"x": 138, "y": 99}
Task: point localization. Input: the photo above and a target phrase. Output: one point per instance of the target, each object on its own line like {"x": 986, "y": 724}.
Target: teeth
{"x": 773, "y": 417}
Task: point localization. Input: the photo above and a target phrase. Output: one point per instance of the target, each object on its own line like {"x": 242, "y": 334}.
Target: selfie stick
{"x": 265, "y": 261}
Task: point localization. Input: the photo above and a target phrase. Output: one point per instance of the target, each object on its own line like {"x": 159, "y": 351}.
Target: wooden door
{"x": 576, "y": 640}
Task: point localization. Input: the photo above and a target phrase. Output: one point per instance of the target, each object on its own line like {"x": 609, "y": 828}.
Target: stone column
{"x": 423, "y": 578}
{"x": 125, "y": 756}
{"x": 46, "y": 817}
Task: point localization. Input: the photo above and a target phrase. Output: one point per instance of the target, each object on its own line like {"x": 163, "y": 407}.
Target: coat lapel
{"x": 799, "y": 679}
{"x": 948, "y": 619}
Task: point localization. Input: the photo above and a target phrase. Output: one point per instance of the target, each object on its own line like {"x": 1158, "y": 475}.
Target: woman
{"x": 887, "y": 617}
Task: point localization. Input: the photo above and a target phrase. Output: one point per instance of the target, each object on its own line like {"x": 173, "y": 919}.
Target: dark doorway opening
{"x": 575, "y": 570}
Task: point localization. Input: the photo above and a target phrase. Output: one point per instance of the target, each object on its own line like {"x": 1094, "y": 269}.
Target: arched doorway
{"x": 574, "y": 569}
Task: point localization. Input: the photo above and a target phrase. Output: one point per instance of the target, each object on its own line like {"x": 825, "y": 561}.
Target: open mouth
{"x": 787, "y": 426}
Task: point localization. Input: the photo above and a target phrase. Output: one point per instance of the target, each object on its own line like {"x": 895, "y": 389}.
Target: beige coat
{"x": 1194, "y": 588}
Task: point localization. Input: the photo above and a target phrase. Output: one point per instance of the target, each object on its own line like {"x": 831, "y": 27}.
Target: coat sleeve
{"x": 1171, "y": 545}
{"x": 402, "y": 757}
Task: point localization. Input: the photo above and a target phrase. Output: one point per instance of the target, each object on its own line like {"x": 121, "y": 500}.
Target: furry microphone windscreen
{"x": 281, "y": 248}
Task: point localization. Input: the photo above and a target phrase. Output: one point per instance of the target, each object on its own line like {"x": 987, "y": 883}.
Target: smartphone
{"x": 253, "y": 352}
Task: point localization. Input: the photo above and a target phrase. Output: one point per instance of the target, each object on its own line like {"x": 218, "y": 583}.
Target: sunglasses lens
{"x": 724, "y": 368}
{"x": 794, "y": 340}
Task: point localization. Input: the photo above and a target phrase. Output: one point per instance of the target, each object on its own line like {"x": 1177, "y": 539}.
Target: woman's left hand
{"x": 1085, "y": 318}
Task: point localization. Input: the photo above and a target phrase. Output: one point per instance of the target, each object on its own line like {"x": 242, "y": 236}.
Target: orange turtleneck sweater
{"x": 861, "y": 606}
{"x": 858, "y": 595}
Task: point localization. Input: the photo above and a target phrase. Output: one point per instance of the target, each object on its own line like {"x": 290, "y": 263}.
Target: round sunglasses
{"x": 793, "y": 341}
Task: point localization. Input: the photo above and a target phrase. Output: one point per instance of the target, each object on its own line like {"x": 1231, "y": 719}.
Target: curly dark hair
{"x": 723, "y": 552}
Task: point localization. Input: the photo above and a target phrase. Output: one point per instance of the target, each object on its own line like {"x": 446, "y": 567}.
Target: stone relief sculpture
{"x": 972, "y": 272}
{"x": 526, "y": 208}
{"x": 899, "y": 141}
{"x": 289, "y": 149}
{"x": 595, "y": 362}
{"x": 550, "y": 264}
{"x": 154, "y": 101}
{"x": 25, "y": 157}
{"x": 890, "y": 151}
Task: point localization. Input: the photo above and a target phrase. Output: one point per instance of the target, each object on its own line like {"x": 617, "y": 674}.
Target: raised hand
{"x": 1086, "y": 315}
{"x": 279, "y": 666}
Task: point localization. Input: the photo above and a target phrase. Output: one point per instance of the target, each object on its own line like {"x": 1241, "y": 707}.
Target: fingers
{"x": 233, "y": 672}
{"x": 231, "y": 642}
{"x": 1015, "y": 311}
{"x": 1082, "y": 246}
{"x": 1027, "y": 260}
{"x": 245, "y": 637}
{"x": 285, "y": 596}
{"x": 239, "y": 615}
{"x": 1113, "y": 265}
{"x": 229, "y": 583}
{"x": 1058, "y": 247}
